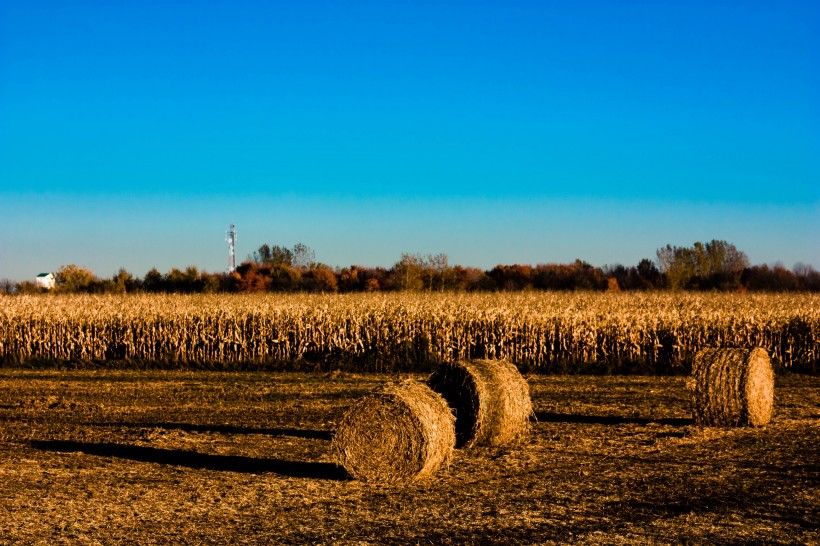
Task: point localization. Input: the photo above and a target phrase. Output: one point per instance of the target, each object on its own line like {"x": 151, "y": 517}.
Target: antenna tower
{"x": 231, "y": 238}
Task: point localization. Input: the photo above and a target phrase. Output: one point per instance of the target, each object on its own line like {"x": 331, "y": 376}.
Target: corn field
{"x": 542, "y": 332}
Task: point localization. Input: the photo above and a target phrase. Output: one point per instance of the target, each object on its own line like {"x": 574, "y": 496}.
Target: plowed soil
{"x": 101, "y": 457}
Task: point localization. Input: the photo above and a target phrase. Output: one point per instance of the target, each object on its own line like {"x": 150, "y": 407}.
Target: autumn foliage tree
{"x": 320, "y": 278}
{"x": 716, "y": 265}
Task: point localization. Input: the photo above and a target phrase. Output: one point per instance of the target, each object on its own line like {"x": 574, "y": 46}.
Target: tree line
{"x": 716, "y": 265}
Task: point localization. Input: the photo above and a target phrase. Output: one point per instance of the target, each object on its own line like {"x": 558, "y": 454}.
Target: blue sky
{"x": 133, "y": 133}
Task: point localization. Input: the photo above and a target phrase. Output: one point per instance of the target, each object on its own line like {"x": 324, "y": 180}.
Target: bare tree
{"x": 303, "y": 256}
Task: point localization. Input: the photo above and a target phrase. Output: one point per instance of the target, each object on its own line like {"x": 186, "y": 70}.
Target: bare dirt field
{"x": 130, "y": 457}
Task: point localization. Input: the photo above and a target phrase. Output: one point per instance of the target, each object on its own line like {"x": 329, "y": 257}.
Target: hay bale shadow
{"x": 191, "y": 459}
{"x": 549, "y": 417}
{"x": 227, "y": 429}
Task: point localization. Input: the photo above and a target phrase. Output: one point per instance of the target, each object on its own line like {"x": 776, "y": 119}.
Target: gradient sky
{"x": 133, "y": 133}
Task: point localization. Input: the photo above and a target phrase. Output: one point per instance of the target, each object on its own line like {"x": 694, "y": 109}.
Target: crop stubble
{"x": 102, "y": 457}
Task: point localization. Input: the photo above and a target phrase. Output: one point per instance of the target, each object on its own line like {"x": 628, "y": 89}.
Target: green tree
{"x": 174, "y": 280}
{"x": 649, "y": 272}
{"x": 153, "y": 281}
{"x": 263, "y": 255}
{"x": 407, "y": 273}
{"x": 716, "y": 264}
{"x": 123, "y": 281}
{"x": 193, "y": 280}
{"x": 300, "y": 256}
{"x": 73, "y": 278}
{"x": 210, "y": 283}
{"x": 436, "y": 272}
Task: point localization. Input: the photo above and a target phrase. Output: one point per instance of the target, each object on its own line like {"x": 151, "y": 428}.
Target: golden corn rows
{"x": 541, "y": 331}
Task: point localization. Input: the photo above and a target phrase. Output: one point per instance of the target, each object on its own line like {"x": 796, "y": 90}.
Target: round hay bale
{"x": 401, "y": 432}
{"x": 490, "y": 399}
{"x": 732, "y": 387}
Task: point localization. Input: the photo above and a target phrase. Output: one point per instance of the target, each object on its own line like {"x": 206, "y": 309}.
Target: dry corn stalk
{"x": 380, "y": 332}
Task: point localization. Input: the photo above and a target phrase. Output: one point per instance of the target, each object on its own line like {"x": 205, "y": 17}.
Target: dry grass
{"x": 402, "y": 432}
{"x": 732, "y": 387}
{"x": 490, "y": 399}
{"x": 99, "y": 457}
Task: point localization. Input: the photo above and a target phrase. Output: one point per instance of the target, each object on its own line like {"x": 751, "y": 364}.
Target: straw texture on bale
{"x": 402, "y": 432}
{"x": 490, "y": 399}
{"x": 732, "y": 387}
